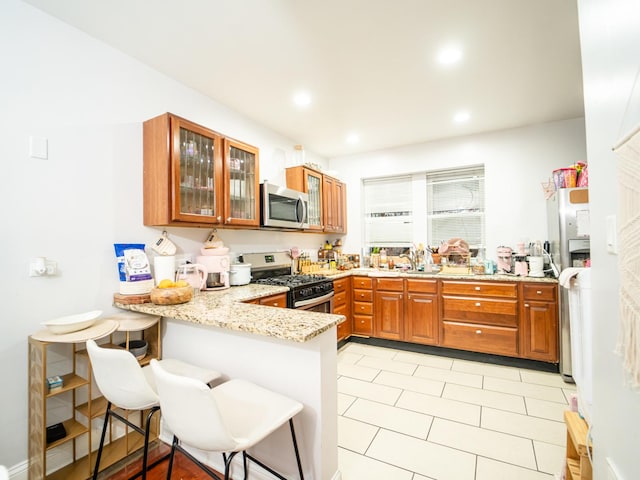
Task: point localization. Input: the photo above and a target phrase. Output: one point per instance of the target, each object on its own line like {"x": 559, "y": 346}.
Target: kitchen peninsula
{"x": 289, "y": 351}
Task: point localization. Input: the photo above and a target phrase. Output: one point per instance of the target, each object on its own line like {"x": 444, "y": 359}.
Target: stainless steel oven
{"x": 306, "y": 292}
{"x": 323, "y": 304}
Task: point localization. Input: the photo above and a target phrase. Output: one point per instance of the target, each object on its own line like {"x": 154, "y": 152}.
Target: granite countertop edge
{"x": 225, "y": 309}
{"x": 374, "y": 273}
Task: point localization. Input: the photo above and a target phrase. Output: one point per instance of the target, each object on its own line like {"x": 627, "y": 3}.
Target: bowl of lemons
{"x": 169, "y": 292}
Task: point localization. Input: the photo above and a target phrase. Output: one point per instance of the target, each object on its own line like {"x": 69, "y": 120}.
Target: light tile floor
{"x": 412, "y": 416}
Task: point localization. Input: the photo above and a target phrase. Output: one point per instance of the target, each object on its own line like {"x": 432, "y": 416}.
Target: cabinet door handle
{"x": 526, "y": 305}
{"x": 539, "y": 292}
{"x": 477, "y": 304}
{"x": 228, "y": 219}
{"x": 219, "y": 218}
{"x": 478, "y": 332}
{"x": 478, "y": 288}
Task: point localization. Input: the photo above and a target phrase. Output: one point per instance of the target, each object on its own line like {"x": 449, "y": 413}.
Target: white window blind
{"x": 427, "y": 207}
{"x": 388, "y": 215}
{"x": 455, "y": 206}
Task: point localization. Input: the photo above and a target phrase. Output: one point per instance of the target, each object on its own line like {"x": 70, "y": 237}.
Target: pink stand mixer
{"x": 503, "y": 255}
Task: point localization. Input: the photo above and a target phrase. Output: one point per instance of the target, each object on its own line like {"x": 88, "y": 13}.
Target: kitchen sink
{"x": 420, "y": 273}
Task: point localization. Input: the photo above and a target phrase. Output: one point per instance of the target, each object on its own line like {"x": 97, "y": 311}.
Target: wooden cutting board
{"x": 133, "y": 299}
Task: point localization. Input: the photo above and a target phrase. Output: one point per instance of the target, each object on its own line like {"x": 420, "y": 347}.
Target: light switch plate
{"x": 38, "y": 147}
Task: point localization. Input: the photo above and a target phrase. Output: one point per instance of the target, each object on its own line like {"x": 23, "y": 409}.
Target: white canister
{"x": 164, "y": 266}
{"x": 239, "y": 274}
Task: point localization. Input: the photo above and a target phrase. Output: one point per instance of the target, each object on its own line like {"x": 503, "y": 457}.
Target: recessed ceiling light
{"x": 449, "y": 55}
{"x": 461, "y": 117}
{"x": 302, "y": 99}
{"x": 353, "y": 138}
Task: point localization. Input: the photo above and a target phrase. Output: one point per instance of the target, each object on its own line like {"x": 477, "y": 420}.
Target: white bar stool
{"x": 127, "y": 385}
{"x": 229, "y": 418}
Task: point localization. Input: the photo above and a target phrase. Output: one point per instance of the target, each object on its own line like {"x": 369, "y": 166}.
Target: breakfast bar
{"x": 292, "y": 352}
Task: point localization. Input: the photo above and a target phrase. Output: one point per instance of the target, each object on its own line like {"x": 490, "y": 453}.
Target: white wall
{"x": 89, "y": 101}
{"x": 610, "y": 41}
{"x": 516, "y": 161}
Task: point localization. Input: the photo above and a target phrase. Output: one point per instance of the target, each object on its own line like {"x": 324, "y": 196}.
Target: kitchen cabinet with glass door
{"x": 242, "y": 184}
{"x": 182, "y": 173}
{"x": 309, "y": 181}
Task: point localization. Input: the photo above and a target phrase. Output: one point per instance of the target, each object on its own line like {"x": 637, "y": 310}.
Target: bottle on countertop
{"x": 384, "y": 262}
{"x": 479, "y": 265}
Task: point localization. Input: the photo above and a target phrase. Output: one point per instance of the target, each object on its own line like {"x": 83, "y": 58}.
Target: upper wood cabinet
{"x": 241, "y": 184}
{"x": 334, "y": 194}
{"x": 310, "y": 182}
{"x": 194, "y": 177}
{"x": 327, "y": 198}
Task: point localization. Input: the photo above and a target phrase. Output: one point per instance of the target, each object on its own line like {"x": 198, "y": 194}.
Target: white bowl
{"x": 214, "y": 251}
{"x": 72, "y": 323}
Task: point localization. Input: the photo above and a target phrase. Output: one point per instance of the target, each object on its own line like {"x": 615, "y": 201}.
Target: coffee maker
{"x": 217, "y": 267}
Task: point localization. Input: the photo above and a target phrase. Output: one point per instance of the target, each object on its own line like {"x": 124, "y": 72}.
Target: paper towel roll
{"x": 567, "y": 274}
{"x": 164, "y": 266}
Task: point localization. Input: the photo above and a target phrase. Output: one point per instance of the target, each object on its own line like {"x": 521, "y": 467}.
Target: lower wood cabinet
{"x": 388, "y": 308}
{"x": 362, "y": 306}
{"x": 421, "y": 316}
{"x": 539, "y": 322}
{"x": 480, "y": 316}
{"x": 279, "y": 300}
{"x": 342, "y": 306}
{"x": 513, "y": 318}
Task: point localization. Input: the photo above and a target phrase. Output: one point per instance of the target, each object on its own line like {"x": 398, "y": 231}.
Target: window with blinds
{"x": 426, "y": 207}
{"x": 388, "y": 211}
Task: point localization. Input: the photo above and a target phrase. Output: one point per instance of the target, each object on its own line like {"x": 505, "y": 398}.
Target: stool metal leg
{"x": 96, "y": 469}
{"x": 295, "y": 447}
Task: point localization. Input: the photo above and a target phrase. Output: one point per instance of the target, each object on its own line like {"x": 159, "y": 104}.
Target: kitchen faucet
{"x": 411, "y": 258}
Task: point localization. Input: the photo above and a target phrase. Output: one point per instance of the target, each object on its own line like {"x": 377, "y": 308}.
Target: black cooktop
{"x": 292, "y": 280}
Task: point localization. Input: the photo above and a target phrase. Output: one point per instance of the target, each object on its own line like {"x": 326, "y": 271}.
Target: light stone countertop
{"x": 224, "y": 309}
{"x": 375, "y": 273}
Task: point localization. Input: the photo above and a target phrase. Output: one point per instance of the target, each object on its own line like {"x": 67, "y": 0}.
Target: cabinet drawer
{"x": 362, "y": 296}
{"x": 531, "y": 291}
{"x": 279, "y": 301}
{"x": 362, "y": 324}
{"x": 480, "y": 338}
{"x": 490, "y": 289}
{"x": 363, "y": 308}
{"x": 480, "y": 310}
{"x": 390, "y": 284}
{"x": 340, "y": 285}
{"x": 339, "y": 299}
{"x": 339, "y": 310}
{"x": 362, "y": 282}
{"x": 422, "y": 286}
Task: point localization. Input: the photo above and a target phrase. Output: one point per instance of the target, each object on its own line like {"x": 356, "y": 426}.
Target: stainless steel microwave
{"x": 282, "y": 207}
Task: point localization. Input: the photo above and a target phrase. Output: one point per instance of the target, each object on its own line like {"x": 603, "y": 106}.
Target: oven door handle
{"x": 313, "y": 301}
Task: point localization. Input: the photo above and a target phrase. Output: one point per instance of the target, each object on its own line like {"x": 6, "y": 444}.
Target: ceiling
{"x": 369, "y": 66}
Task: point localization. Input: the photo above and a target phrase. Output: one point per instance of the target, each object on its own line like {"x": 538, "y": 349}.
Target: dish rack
{"x": 456, "y": 264}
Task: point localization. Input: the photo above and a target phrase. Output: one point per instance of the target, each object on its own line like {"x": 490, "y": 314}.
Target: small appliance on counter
{"x": 194, "y": 274}
{"x": 504, "y": 255}
{"x": 216, "y": 261}
{"x": 217, "y": 271}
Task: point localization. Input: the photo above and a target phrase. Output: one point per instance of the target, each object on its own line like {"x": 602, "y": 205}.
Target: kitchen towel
{"x": 567, "y": 275}
{"x": 628, "y": 346}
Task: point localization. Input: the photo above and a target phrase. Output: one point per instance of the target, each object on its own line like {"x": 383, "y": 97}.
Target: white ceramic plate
{"x": 72, "y": 323}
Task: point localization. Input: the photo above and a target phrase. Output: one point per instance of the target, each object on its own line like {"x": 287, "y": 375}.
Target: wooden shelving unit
{"x": 578, "y": 448}
{"x": 79, "y": 390}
